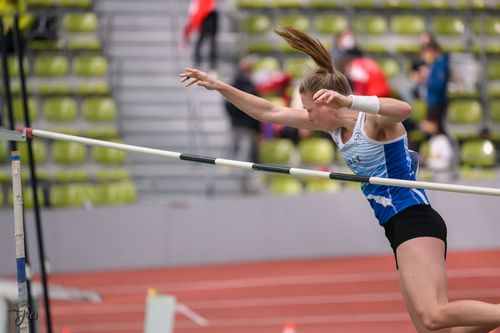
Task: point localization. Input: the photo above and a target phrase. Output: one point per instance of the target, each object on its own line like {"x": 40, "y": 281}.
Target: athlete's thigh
{"x": 422, "y": 276}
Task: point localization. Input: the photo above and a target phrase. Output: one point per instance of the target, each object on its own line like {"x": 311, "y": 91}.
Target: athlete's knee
{"x": 433, "y": 317}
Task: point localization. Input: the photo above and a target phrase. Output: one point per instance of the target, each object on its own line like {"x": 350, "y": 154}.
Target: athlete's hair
{"x": 325, "y": 76}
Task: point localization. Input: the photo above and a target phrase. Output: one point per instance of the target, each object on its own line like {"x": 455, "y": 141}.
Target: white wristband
{"x": 367, "y": 104}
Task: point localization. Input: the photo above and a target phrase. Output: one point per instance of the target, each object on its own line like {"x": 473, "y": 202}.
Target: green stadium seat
{"x": 447, "y": 25}
{"x": 99, "y": 109}
{"x": 71, "y": 175}
{"x": 434, "y": 4}
{"x": 370, "y": 25}
{"x": 51, "y": 66}
{"x": 60, "y": 109}
{"x": 90, "y": 66}
{"x": 85, "y": 4}
{"x": 47, "y": 89}
{"x": 398, "y": 4}
{"x": 316, "y": 151}
{"x": 93, "y": 88}
{"x": 112, "y": 174}
{"x": 252, "y": 4}
{"x": 465, "y": 118}
{"x": 13, "y": 66}
{"x": 69, "y": 195}
{"x": 257, "y": 25}
{"x": 285, "y": 185}
{"x": 390, "y": 67}
{"x": 104, "y": 133}
{"x": 299, "y": 22}
{"x": 493, "y": 69}
{"x": 419, "y": 111}
{"x": 266, "y": 64}
{"x": 478, "y": 153}
{"x": 487, "y": 26}
{"x": 41, "y": 3}
{"x": 2, "y": 198}
{"x": 39, "y": 151}
{"x": 330, "y": 24}
{"x": 408, "y": 24}
{"x": 5, "y": 177}
{"x": 104, "y": 155}
{"x": 70, "y": 153}
{"x": 298, "y": 67}
{"x": 322, "y": 185}
{"x": 323, "y": 4}
{"x": 286, "y": 3}
{"x": 87, "y": 44}
{"x": 119, "y": 193}
{"x": 495, "y": 111}
{"x": 259, "y": 47}
{"x": 363, "y": 4}
{"x": 80, "y": 22}
{"x": 3, "y": 151}
{"x": 276, "y": 151}
{"x": 45, "y": 45}
{"x": 17, "y": 106}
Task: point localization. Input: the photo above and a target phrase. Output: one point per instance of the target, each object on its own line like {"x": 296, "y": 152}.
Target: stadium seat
{"x": 252, "y": 4}
{"x": 93, "y": 88}
{"x": 363, "y": 4}
{"x": 40, "y": 3}
{"x": 398, "y": 4}
{"x": 285, "y": 3}
{"x": 60, "y": 109}
{"x": 2, "y": 198}
{"x": 297, "y": 67}
{"x": 51, "y": 66}
{"x": 447, "y": 25}
{"x": 323, "y": 4}
{"x": 68, "y": 152}
{"x": 285, "y": 185}
{"x": 434, "y": 4}
{"x": 87, "y": 44}
{"x": 99, "y": 109}
{"x": 51, "y": 88}
{"x": 330, "y": 24}
{"x": 267, "y": 64}
{"x": 370, "y": 25}
{"x": 39, "y": 151}
{"x": 465, "y": 117}
{"x": 13, "y": 66}
{"x": 276, "y": 151}
{"x": 257, "y": 25}
{"x": 486, "y": 26}
{"x": 316, "y": 151}
{"x": 104, "y": 155}
{"x": 322, "y": 185}
{"x": 69, "y": 195}
{"x": 419, "y": 111}
{"x": 104, "y": 133}
{"x": 493, "y": 69}
{"x": 90, "y": 66}
{"x": 495, "y": 111}
{"x": 17, "y": 106}
{"x": 478, "y": 153}
{"x": 390, "y": 67}
{"x": 86, "y": 4}
{"x": 408, "y": 24}
{"x": 71, "y": 175}
{"x": 80, "y": 22}
{"x": 118, "y": 193}
{"x": 111, "y": 174}
{"x": 299, "y": 22}
{"x": 3, "y": 151}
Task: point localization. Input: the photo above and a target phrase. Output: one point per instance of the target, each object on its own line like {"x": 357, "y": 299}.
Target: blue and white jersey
{"x": 386, "y": 159}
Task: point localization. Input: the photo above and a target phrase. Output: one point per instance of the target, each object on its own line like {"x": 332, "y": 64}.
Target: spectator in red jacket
{"x": 203, "y": 18}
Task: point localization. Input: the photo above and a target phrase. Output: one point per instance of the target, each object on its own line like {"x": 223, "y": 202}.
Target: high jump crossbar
{"x": 28, "y": 132}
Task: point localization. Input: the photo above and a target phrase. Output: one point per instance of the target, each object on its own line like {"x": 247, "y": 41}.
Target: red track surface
{"x": 347, "y": 295}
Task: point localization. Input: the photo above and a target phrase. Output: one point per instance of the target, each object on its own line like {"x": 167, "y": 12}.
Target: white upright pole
{"x": 23, "y": 311}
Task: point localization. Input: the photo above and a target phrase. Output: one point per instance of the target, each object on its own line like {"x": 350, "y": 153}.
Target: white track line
{"x": 89, "y": 309}
{"x": 195, "y": 317}
{"x": 283, "y": 280}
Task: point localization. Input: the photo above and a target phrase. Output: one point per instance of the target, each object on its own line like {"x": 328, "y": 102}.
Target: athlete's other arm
{"x": 252, "y": 105}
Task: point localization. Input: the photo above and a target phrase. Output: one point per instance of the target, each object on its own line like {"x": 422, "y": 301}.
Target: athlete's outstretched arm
{"x": 254, "y": 106}
{"x": 388, "y": 110}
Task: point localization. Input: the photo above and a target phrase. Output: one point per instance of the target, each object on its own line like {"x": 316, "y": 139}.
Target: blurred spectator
{"x": 426, "y": 38}
{"x": 437, "y": 82}
{"x": 365, "y": 75}
{"x": 344, "y": 42}
{"x": 245, "y": 129}
{"x": 442, "y": 155}
{"x": 203, "y": 18}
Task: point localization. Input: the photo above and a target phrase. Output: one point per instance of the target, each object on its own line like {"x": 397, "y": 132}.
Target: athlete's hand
{"x": 194, "y": 76}
{"x": 332, "y": 99}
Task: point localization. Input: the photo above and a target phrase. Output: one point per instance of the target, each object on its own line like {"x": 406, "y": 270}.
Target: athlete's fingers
{"x": 192, "y": 82}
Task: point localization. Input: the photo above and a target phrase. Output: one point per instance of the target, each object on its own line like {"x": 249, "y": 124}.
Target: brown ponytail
{"x": 325, "y": 76}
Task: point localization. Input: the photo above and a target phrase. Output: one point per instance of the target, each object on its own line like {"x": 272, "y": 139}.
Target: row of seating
{"x": 77, "y": 195}
{"x": 68, "y": 153}
{"x": 68, "y": 4}
{"x": 66, "y": 109}
{"x": 370, "y": 4}
{"x": 51, "y": 66}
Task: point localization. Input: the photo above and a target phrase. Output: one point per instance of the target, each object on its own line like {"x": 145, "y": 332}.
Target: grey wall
{"x": 238, "y": 229}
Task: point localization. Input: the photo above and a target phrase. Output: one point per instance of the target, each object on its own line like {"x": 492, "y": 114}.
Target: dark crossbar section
{"x": 349, "y": 178}
{"x": 197, "y": 158}
{"x": 271, "y": 168}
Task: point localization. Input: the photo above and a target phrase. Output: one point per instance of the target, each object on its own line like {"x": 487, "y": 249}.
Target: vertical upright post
{"x": 23, "y": 309}
{"x": 19, "y": 46}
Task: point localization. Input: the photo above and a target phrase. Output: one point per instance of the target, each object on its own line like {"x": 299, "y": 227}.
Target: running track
{"x": 345, "y": 295}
